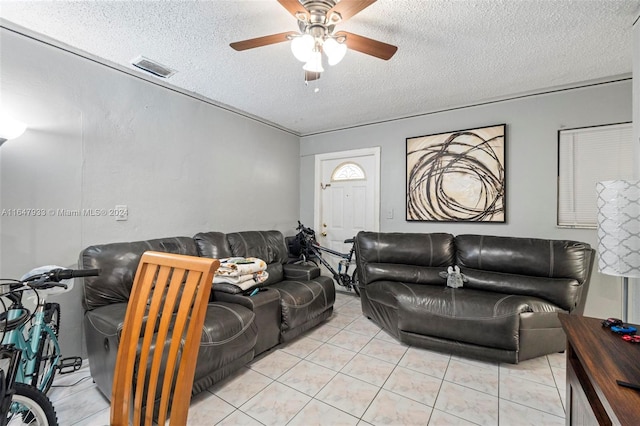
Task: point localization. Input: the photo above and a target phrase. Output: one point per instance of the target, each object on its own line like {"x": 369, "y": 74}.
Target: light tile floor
{"x": 349, "y": 372}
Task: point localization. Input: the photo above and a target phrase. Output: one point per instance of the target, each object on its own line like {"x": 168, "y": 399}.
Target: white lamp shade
{"x": 335, "y": 51}
{"x": 314, "y": 64}
{"x": 302, "y": 47}
{"x": 10, "y": 128}
{"x": 619, "y": 227}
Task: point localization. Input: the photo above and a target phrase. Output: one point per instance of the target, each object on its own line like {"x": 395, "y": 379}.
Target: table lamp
{"x": 619, "y": 232}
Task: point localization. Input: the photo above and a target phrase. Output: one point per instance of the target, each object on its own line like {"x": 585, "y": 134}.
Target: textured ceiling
{"x": 451, "y": 53}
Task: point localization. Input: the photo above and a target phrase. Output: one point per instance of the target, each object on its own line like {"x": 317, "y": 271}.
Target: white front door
{"x": 347, "y": 188}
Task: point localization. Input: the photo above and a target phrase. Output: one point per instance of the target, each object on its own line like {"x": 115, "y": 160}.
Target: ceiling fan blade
{"x": 348, "y": 8}
{"x": 368, "y": 45}
{"x": 294, "y": 7}
{"x": 262, "y": 41}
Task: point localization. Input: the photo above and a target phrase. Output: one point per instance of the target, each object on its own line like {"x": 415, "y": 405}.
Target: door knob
{"x": 324, "y": 225}
{"x": 324, "y": 234}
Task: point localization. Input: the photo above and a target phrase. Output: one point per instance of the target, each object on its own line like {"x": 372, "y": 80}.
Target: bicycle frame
{"x": 305, "y": 245}
{"x": 28, "y": 368}
{"x": 317, "y": 248}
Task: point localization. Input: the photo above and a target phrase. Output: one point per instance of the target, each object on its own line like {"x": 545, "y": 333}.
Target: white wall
{"x": 531, "y": 166}
{"x": 98, "y": 137}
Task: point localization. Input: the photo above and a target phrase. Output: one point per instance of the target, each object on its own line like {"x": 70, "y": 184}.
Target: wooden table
{"x": 596, "y": 358}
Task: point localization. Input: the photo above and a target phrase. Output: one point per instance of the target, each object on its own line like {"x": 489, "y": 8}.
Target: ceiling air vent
{"x": 153, "y": 67}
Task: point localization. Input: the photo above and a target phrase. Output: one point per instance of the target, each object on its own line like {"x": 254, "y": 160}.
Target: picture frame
{"x": 457, "y": 176}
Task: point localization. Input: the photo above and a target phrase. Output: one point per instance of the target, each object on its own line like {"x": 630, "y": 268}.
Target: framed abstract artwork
{"x": 457, "y": 176}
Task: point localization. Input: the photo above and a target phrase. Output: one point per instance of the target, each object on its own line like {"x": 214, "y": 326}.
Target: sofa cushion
{"x": 385, "y": 293}
{"x": 404, "y": 273}
{"x": 118, "y": 263}
{"x": 302, "y": 301}
{"x": 525, "y": 256}
{"x": 224, "y": 323}
{"x": 434, "y": 249}
{"x": 563, "y": 292}
{"x": 463, "y": 314}
{"x": 304, "y": 272}
{"x": 229, "y": 332}
{"x": 404, "y": 257}
{"x": 266, "y": 245}
{"x": 107, "y": 320}
{"x": 213, "y": 245}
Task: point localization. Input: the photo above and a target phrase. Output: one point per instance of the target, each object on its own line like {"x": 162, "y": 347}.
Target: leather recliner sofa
{"x": 237, "y": 326}
{"x": 506, "y": 309}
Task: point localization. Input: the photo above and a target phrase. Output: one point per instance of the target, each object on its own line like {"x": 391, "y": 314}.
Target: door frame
{"x": 364, "y": 152}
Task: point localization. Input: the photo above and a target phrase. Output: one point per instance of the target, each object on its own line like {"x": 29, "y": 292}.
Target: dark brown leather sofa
{"x": 507, "y": 308}
{"x": 237, "y": 327}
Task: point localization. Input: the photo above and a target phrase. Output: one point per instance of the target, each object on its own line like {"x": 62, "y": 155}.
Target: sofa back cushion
{"x": 554, "y": 270}
{"x": 525, "y": 256}
{"x": 404, "y": 257}
{"x": 118, "y": 263}
{"x": 266, "y": 245}
{"x": 213, "y": 245}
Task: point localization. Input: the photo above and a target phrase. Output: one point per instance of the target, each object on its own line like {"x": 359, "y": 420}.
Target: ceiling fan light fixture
{"x": 335, "y": 51}
{"x": 314, "y": 64}
{"x": 317, "y": 20}
{"x": 302, "y": 47}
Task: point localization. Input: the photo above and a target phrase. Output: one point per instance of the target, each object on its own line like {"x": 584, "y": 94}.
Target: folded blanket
{"x": 243, "y": 281}
{"x": 238, "y": 266}
{"x": 242, "y": 272}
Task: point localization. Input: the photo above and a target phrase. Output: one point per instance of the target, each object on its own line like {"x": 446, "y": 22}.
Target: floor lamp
{"x": 619, "y": 232}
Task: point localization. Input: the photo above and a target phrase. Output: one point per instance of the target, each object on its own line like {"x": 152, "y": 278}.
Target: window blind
{"x": 586, "y": 156}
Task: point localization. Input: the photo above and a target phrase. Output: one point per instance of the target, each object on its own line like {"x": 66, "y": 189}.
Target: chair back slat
{"x": 160, "y": 339}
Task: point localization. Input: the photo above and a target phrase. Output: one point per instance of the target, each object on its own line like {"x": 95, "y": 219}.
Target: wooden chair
{"x": 167, "y": 305}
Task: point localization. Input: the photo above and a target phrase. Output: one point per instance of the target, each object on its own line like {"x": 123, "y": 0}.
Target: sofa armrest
{"x": 296, "y": 271}
{"x": 227, "y": 288}
{"x": 250, "y": 302}
{"x": 268, "y": 314}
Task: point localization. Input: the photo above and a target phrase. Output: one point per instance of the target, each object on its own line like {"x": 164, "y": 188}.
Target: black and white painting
{"x": 457, "y": 176}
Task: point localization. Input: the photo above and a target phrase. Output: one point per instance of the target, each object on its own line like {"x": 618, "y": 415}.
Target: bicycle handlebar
{"x": 59, "y": 274}
{"x": 53, "y": 277}
{"x": 304, "y": 229}
{"x": 45, "y": 280}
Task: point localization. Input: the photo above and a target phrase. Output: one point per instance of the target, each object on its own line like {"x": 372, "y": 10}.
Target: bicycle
{"x": 35, "y": 335}
{"x": 305, "y": 246}
{"x": 19, "y": 403}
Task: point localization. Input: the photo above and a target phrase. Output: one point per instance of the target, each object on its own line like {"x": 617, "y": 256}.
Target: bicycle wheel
{"x": 355, "y": 281}
{"x": 29, "y": 406}
{"x": 48, "y": 354}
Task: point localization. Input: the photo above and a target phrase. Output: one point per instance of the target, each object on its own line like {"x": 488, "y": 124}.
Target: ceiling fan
{"x": 317, "y": 20}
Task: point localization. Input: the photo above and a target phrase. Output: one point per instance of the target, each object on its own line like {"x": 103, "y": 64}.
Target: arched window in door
{"x": 348, "y": 171}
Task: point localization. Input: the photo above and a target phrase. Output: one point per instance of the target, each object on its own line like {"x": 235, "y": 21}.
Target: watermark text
{"x": 62, "y": 212}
